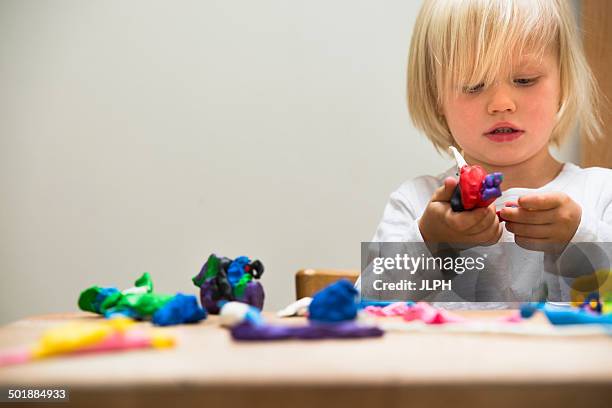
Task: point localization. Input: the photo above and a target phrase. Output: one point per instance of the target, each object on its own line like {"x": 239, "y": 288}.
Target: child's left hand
{"x": 542, "y": 222}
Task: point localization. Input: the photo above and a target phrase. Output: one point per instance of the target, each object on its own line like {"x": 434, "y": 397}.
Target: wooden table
{"x": 429, "y": 368}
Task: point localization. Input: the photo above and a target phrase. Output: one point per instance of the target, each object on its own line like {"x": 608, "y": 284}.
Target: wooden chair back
{"x": 310, "y": 281}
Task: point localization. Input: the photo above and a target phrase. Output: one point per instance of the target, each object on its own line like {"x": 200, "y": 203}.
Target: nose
{"x": 500, "y": 100}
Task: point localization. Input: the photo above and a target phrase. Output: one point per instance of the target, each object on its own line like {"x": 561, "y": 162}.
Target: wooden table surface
{"x": 419, "y": 368}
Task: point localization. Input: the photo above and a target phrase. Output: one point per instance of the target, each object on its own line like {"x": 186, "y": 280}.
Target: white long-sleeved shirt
{"x": 591, "y": 188}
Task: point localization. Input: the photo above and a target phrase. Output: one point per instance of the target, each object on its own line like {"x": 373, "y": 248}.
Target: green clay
{"x": 110, "y": 302}
{"x": 241, "y": 285}
{"x": 141, "y": 305}
{"x": 145, "y": 280}
{"x": 144, "y": 304}
{"x": 87, "y": 299}
{"x": 212, "y": 269}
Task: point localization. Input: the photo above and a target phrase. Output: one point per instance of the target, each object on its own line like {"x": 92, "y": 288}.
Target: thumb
{"x": 445, "y": 192}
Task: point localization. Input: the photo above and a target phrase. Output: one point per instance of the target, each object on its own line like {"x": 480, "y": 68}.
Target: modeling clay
{"x": 476, "y": 188}
{"x": 300, "y": 307}
{"x": 247, "y": 324}
{"x": 528, "y": 309}
{"x": 427, "y": 313}
{"x": 224, "y": 280}
{"x": 297, "y": 308}
{"x": 344, "y": 330}
{"x": 335, "y": 303}
{"x": 234, "y": 313}
{"x": 90, "y": 337}
{"x": 141, "y": 303}
{"x": 180, "y": 309}
{"x": 563, "y": 315}
{"x": 431, "y": 315}
{"x": 379, "y": 303}
{"x": 393, "y": 309}
{"x": 568, "y": 315}
{"x": 334, "y": 308}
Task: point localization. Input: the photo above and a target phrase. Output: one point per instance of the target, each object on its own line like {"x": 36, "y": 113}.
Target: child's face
{"x": 528, "y": 102}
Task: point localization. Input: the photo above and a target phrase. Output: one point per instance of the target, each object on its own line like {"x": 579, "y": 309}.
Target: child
{"x": 501, "y": 80}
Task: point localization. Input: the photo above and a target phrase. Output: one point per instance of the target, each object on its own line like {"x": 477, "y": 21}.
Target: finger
{"x": 463, "y": 221}
{"x": 542, "y": 201}
{"x": 530, "y": 230}
{"x": 523, "y": 216}
{"x": 511, "y": 204}
{"x": 445, "y": 192}
{"x": 484, "y": 224}
{"x": 489, "y": 237}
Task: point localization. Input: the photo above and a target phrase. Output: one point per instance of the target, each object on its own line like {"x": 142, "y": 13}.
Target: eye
{"x": 525, "y": 81}
{"x": 473, "y": 89}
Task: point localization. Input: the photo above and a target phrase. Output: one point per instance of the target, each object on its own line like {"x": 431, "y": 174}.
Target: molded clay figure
{"x": 476, "y": 188}
{"x": 223, "y": 280}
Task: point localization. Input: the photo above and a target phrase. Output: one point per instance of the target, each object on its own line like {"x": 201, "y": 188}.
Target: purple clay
{"x": 206, "y": 297}
{"x": 313, "y": 331}
{"x": 491, "y": 186}
{"x": 254, "y": 294}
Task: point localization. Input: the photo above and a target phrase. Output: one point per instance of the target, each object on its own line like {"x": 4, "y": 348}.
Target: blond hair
{"x": 473, "y": 41}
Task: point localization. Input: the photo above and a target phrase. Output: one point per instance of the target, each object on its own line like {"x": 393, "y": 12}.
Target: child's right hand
{"x": 440, "y": 224}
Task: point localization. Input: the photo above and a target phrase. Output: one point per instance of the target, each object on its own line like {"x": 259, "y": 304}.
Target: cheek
{"x": 541, "y": 107}
{"x": 462, "y": 119}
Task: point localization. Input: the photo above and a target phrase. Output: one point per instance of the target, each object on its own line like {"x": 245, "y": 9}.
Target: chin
{"x": 503, "y": 161}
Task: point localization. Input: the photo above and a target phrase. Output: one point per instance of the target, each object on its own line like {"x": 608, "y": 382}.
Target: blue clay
{"x": 335, "y": 303}
{"x": 180, "y": 309}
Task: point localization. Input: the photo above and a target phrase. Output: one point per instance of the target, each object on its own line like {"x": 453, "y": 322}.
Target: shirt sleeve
{"x": 592, "y": 228}
{"x": 400, "y": 222}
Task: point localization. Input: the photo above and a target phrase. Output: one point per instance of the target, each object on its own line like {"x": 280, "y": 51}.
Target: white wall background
{"x": 143, "y": 135}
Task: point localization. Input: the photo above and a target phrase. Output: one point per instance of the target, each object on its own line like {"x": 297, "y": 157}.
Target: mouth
{"x": 504, "y": 133}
